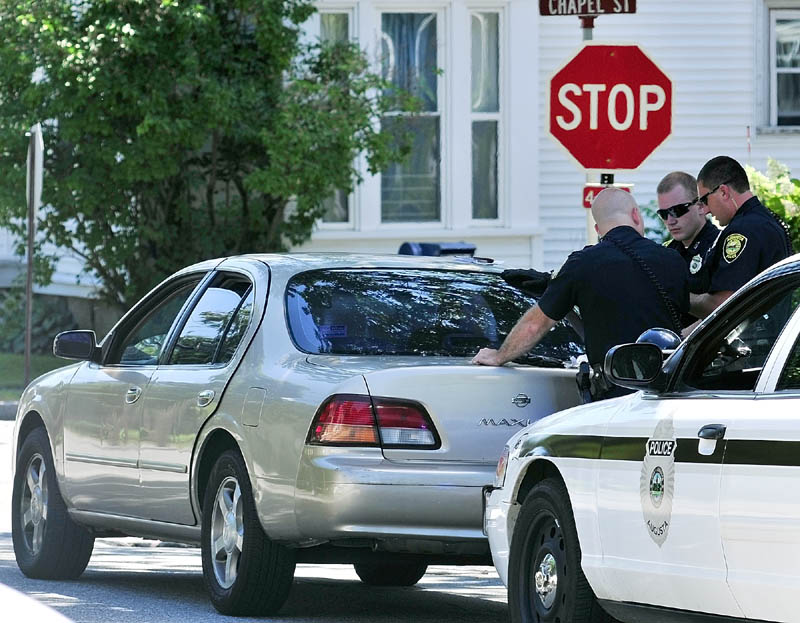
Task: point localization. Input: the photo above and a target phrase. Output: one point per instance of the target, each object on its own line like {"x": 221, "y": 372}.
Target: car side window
{"x": 215, "y": 321}
{"x": 732, "y": 358}
{"x": 790, "y": 375}
{"x": 142, "y": 345}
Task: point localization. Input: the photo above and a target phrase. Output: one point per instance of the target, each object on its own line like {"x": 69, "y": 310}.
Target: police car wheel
{"x": 546, "y": 583}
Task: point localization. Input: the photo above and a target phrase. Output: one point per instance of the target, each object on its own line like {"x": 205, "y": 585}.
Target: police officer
{"x": 693, "y": 234}
{"x": 623, "y": 285}
{"x": 753, "y": 238}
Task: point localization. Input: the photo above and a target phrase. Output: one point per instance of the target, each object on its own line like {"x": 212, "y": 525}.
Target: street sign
{"x": 610, "y": 106}
{"x": 590, "y": 191}
{"x": 586, "y": 7}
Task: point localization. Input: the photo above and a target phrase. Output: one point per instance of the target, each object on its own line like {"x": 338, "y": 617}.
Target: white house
{"x": 485, "y": 169}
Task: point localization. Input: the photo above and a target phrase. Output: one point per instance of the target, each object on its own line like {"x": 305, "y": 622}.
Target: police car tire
{"x": 545, "y": 528}
{"x": 390, "y": 574}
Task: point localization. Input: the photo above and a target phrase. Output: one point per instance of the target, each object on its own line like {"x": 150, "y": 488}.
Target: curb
{"x": 8, "y": 409}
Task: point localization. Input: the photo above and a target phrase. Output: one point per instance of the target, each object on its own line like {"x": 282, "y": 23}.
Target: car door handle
{"x": 132, "y": 395}
{"x": 205, "y": 397}
{"x": 712, "y": 431}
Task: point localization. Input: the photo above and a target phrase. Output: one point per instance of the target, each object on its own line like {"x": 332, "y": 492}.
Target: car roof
{"x": 298, "y": 262}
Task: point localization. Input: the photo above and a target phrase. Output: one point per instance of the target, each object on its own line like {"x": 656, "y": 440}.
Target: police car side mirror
{"x": 635, "y": 366}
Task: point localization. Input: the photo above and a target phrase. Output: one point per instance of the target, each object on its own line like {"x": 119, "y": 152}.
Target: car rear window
{"x": 413, "y": 312}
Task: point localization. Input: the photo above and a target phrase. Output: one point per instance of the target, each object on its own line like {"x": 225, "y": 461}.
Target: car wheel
{"x": 47, "y": 543}
{"x": 390, "y": 573}
{"x": 246, "y": 574}
{"x": 545, "y": 579}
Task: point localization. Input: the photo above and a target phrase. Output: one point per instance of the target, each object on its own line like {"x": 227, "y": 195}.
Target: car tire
{"x": 390, "y": 573}
{"x": 245, "y": 573}
{"x": 545, "y": 544}
{"x": 47, "y": 543}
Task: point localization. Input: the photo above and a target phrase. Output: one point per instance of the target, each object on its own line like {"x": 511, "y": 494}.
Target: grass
{"x": 12, "y": 372}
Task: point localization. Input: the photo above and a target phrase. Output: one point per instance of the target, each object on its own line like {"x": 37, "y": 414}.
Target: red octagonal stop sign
{"x": 610, "y": 106}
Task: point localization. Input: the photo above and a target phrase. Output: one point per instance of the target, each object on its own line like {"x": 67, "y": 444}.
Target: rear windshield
{"x": 413, "y": 312}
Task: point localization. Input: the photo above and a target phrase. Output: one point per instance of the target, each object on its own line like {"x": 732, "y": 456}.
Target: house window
{"x": 485, "y": 113}
{"x": 785, "y": 67}
{"x": 411, "y": 189}
{"x": 334, "y": 27}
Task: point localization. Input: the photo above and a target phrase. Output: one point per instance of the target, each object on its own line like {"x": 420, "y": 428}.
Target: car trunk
{"x": 472, "y": 407}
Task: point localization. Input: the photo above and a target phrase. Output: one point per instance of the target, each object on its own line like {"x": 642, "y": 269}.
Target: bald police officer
{"x": 753, "y": 238}
{"x": 623, "y": 285}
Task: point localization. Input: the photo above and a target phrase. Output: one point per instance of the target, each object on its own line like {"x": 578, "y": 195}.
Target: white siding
{"x": 710, "y": 49}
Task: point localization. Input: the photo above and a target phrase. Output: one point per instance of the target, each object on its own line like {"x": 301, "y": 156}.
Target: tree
{"x": 779, "y": 192}
{"x": 180, "y": 130}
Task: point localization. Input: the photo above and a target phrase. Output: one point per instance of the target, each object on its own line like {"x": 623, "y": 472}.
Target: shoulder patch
{"x": 733, "y": 246}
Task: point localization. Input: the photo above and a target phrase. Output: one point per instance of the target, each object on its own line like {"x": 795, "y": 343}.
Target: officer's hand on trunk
{"x": 530, "y": 281}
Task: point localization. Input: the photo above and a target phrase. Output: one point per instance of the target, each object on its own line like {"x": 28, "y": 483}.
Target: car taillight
{"x": 354, "y": 420}
{"x": 345, "y": 420}
{"x": 404, "y": 424}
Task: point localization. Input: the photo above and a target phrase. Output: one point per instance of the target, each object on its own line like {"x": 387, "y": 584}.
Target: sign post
{"x": 34, "y": 196}
{"x": 587, "y": 11}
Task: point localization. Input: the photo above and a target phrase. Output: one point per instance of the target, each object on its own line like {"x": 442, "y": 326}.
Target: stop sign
{"x": 610, "y": 106}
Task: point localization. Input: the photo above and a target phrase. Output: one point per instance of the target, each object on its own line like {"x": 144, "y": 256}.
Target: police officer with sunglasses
{"x": 693, "y": 234}
{"x": 753, "y": 238}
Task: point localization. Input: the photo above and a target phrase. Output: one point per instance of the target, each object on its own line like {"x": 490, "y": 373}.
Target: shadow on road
{"x": 135, "y": 584}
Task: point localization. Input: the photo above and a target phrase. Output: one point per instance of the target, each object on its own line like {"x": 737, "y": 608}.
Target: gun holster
{"x": 584, "y": 380}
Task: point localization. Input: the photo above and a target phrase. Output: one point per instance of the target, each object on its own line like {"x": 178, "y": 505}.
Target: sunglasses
{"x": 704, "y": 198}
{"x": 677, "y": 211}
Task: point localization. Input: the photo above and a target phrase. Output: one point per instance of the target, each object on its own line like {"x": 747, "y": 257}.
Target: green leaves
{"x": 778, "y": 191}
{"x": 177, "y": 131}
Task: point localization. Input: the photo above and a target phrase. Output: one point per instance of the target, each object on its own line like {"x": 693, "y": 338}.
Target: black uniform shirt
{"x": 696, "y": 252}
{"x": 694, "y": 255}
{"x": 752, "y": 241}
{"x": 616, "y": 298}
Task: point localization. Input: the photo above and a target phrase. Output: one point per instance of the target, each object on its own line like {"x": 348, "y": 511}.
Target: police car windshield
{"x": 413, "y": 312}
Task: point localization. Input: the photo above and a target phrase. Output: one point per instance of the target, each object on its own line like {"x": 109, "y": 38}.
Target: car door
{"x": 760, "y": 499}
{"x": 659, "y": 489}
{"x": 188, "y": 384}
{"x": 103, "y": 411}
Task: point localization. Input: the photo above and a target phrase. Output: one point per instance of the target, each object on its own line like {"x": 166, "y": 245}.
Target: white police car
{"x": 673, "y": 503}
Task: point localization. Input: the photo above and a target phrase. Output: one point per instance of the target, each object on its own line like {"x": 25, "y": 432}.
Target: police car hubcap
{"x": 547, "y": 580}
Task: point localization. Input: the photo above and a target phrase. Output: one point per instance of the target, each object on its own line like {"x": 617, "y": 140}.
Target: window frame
{"x": 352, "y": 32}
{"x": 186, "y": 312}
{"x": 145, "y": 308}
{"x": 499, "y": 116}
{"x": 776, "y": 13}
{"x": 443, "y": 110}
{"x": 723, "y": 323}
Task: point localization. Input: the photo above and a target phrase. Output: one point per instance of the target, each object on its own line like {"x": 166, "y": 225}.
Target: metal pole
{"x": 587, "y": 26}
{"x": 29, "y": 276}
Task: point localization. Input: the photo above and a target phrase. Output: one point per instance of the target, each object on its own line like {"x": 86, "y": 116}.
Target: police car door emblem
{"x": 657, "y": 481}
{"x": 696, "y": 264}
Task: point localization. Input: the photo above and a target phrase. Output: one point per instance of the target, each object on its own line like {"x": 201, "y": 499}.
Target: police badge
{"x": 657, "y": 481}
{"x": 696, "y": 264}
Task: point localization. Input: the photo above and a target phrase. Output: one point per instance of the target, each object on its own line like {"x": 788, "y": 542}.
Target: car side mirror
{"x": 635, "y": 366}
{"x": 76, "y": 345}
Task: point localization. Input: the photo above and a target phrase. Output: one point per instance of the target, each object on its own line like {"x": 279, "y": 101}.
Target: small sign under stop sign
{"x": 590, "y": 191}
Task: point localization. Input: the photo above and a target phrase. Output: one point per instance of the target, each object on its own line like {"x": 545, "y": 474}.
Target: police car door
{"x": 659, "y": 485}
{"x": 760, "y": 497}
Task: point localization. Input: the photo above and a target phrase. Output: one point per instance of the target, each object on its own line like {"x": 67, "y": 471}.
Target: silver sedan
{"x": 279, "y": 409}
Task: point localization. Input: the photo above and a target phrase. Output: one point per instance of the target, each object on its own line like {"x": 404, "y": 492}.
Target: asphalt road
{"x": 137, "y": 581}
